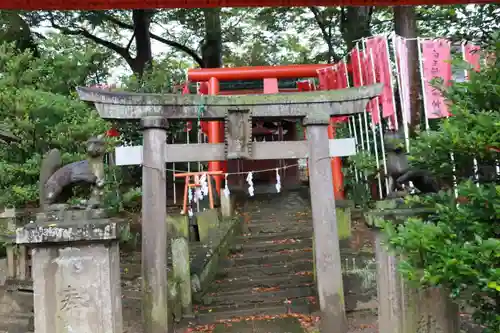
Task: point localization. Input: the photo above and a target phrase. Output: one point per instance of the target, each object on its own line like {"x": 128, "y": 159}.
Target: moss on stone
{"x": 178, "y": 226}
{"x": 344, "y": 222}
{"x": 208, "y": 223}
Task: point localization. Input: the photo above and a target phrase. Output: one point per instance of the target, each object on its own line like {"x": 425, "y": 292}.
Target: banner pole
{"x": 402, "y": 96}
{"x": 381, "y": 131}
{"x": 422, "y": 78}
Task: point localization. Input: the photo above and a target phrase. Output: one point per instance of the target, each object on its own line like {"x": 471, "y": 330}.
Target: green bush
{"x": 458, "y": 247}
{"x": 39, "y": 106}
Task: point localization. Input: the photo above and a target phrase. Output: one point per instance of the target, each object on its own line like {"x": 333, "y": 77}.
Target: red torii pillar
{"x": 216, "y": 135}
{"x": 336, "y": 164}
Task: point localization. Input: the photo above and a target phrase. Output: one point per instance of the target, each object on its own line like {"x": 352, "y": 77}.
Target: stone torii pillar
{"x": 154, "y": 226}
{"x": 326, "y": 236}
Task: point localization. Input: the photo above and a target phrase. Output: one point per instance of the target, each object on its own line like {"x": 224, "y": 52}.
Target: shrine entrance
{"x": 314, "y": 109}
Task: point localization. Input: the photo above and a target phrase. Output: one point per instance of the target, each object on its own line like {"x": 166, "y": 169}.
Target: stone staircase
{"x": 269, "y": 271}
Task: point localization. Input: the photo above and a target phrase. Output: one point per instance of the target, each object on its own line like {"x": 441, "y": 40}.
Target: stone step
{"x": 277, "y": 228}
{"x": 205, "y": 315}
{"x": 245, "y": 237}
{"x": 274, "y": 245}
{"x": 262, "y": 271}
{"x": 252, "y": 296}
{"x": 284, "y": 281}
{"x": 264, "y": 258}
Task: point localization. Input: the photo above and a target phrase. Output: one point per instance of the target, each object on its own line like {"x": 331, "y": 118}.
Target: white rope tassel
{"x": 204, "y": 185}
{"x": 226, "y": 187}
{"x": 191, "y": 196}
{"x": 278, "y": 181}
{"x": 250, "y": 184}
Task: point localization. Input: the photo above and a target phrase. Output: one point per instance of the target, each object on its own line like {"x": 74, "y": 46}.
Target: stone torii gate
{"x": 314, "y": 108}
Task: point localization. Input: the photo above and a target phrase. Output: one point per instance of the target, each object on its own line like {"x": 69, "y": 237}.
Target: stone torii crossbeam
{"x": 315, "y": 110}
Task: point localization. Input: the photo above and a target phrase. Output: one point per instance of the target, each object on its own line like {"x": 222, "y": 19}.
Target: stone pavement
{"x": 284, "y": 325}
{"x": 359, "y": 322}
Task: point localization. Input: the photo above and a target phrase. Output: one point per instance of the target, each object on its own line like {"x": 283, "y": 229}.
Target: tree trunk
{"x": 211, "y": 50}
{"x": 144, "y": 56}
{"x": 405, "y": 25}
{"x": 355, "y": 24}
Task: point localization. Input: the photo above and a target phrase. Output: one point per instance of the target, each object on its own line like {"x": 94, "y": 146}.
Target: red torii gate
{"x": 141, "y": 4}
{"x": 270, "y": 76}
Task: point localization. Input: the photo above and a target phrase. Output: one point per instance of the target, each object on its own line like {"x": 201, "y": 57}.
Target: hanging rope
{"x": 201, "y": 107}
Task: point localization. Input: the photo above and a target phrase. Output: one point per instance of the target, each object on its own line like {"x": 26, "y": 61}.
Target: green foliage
{"x": 472, "y": 130}
{"x": 39, "y": 106}
{"x": 365, "y": 165}
{"x": 458, "y": 247}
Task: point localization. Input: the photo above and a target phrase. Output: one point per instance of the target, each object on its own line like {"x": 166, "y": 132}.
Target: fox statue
{"x": 56, "y": 181}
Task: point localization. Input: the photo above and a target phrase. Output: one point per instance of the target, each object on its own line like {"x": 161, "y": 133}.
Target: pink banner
{"x": 331, "y": 77}
{"x": 378, "y": 48}
{"x": 328, "y": 78}
{"x": 471, "y": 55}
{"x": 322, "y": 79}
{"x": 356, "y": 70}
{"x": 341, "y": 76}
{"x": 436, "y": 57}
{"x": 404, "y": 76}
{"x": 369, "y": 77}
{"x": 362, "y": 77}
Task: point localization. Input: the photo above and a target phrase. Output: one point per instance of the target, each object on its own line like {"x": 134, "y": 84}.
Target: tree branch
{"x": 326, "y": 33}
{"x": 321, "y": 24}
{"x": 171, "y": 43}
{"x": 85, "y": 33}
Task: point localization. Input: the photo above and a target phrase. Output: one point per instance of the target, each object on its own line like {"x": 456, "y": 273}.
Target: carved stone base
{"x": 75, "y": 270}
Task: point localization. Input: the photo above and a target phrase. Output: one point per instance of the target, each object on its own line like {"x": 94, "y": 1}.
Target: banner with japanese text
{"x": 471, "y": 54}
{"x": 404, "y": 75}
{"x": 436, "y": 63}
{"x": 378, "y": 48}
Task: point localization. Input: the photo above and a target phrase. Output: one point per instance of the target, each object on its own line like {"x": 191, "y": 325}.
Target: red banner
{"x": 328, "y": 80}
{"x": 305, "y": 85}
{"x": 472, "y": 55}
{"x": 202, "y": 88}
{"x": 404, "y": 76}
{"x": 362, "y": 77}
{"x": 436, "y": 63}
{"x": 368, "y": 79}
{"x": 379, "y": 51}
{"x": 357, "y": 71}
{"x": 341, "y": 75}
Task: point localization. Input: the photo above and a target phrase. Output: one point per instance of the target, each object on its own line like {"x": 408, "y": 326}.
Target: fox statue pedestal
{"x": 76, "y": 271}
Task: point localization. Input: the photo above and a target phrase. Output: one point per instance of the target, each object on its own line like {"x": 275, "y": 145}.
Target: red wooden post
{"x": 215, "y": 135}
{"x": 336, "y": 164}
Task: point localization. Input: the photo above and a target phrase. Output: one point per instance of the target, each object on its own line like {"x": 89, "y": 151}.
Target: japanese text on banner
{"x": 436, "y": 61}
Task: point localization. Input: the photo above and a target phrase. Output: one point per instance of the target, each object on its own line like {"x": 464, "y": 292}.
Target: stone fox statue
{"x": 399, "y": 171}
{"x": 56, "y": 181}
